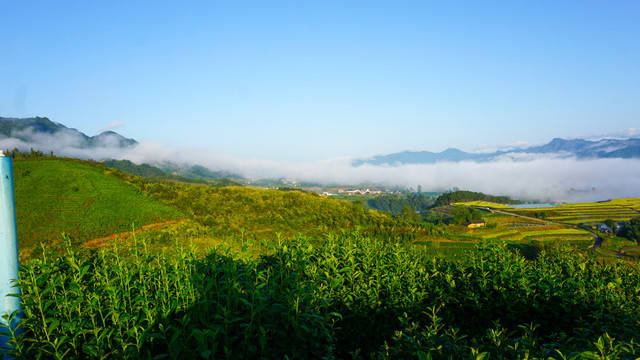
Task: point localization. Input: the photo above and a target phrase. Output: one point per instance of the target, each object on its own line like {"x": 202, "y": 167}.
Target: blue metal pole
{"x": 8, "y": 249}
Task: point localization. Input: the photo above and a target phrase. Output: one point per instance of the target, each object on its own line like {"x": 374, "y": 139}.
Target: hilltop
{"x": 267, "y": 214}
{"x": 31, "y": 130}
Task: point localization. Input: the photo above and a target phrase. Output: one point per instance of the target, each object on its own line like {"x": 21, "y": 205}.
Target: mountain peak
{"x": 453, "y": 151}
{"x": 29, "y": 130}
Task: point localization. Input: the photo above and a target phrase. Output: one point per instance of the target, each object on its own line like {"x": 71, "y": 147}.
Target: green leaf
{"x": 423, "y": 356}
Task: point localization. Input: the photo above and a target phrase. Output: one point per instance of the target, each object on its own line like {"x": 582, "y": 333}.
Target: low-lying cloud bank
{"x": 531, "y": 177}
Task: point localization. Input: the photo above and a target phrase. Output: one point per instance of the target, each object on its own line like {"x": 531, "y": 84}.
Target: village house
{"x": 474, "y": 223}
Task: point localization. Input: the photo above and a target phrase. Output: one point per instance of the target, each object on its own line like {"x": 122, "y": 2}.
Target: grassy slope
{"x": 262, "y": 214}
{"x": 55, "y": 195}
{"x": 63, "y": 195}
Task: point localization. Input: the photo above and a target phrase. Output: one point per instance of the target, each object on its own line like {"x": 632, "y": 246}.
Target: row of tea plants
{"x": 342, "y": 296}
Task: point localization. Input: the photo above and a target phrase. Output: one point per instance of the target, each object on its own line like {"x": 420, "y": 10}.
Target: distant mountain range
{"x": 39, "y": 132}
{"x": 578, "y": 148}
{"x": 30, "y": 130}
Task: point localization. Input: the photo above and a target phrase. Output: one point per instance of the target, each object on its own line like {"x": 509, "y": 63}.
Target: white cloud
{"x": 633, "y": 132}
{"x": 618, "y": 135}
{"x": 525, "y": 176}
{"x": 486, "y": 149}
{"x": 113, "y": 125}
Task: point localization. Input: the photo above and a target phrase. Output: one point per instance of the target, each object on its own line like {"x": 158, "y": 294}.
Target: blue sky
{"x": 305, "y": 81}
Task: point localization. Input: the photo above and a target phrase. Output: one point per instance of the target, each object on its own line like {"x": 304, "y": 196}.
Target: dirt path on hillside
{"x": 98, "y": 242}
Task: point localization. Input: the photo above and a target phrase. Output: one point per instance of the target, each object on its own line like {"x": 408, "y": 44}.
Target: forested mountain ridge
{"x": 40, "y": 133}
{"x": 29, "y": 129}
{"x": 191, "y": 175}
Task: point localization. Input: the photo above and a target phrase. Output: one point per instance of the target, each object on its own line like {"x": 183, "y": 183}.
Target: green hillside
{"x": 340, "y": 282}
{"x": 55, "y": 195}
{"x": 88, "y": 200}
{"x": 265, "y": 214}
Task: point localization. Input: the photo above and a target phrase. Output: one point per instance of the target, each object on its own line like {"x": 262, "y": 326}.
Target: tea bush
{"x": 341, "y": 296}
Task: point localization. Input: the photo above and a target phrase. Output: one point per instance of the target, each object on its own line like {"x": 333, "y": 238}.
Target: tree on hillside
{"x": 611, "y": 225}
{"x": 463, "y": 196}
{"x": 393, "y": 204}
{"x": 409, "y": 214}
{"x": 460, "y": 214}
{"x": 631, "y": 230}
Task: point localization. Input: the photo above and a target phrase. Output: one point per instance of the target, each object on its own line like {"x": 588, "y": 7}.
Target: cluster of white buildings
{"x": 366, "y": 191}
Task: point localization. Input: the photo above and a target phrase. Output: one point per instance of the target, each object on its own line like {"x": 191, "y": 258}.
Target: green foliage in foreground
{"x": 348, "y": 297}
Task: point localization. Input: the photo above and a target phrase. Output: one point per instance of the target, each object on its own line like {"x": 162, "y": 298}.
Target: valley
{"x": 429, "y": 180}
{"x": 120, "y": 266}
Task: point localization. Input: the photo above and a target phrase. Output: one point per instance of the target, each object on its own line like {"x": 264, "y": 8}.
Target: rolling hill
{"x": 85, "y": 200}
{"x": 89, "y": 200}
{"x": 329, "y": 284}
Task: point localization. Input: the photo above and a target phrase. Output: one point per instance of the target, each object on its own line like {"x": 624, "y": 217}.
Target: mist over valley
{"x": 574, "y": 170}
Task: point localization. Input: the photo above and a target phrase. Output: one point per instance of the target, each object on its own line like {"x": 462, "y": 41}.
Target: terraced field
{"x": 486, "y": 204}
{"x": 505, "y": 225}
{"x": 541, "y": 234}
{"x": 562, "y": 223}
{"x": 588, "y": 213}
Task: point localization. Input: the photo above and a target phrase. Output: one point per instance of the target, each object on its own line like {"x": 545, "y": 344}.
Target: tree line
{"x": 420, "y": 207}
{"x": 464, "y": 196}
{"x": 394, "y": 204}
